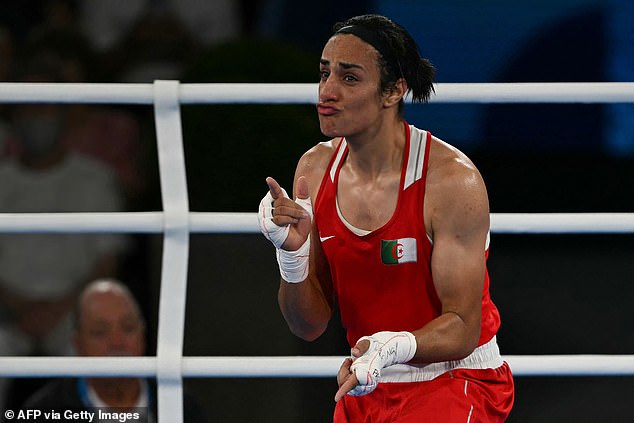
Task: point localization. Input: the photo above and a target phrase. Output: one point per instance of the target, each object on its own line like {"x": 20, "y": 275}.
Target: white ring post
{"x": 171, "y": 321}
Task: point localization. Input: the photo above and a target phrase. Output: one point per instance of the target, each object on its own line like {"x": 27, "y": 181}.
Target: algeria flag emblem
{"x": 397, "y": 251}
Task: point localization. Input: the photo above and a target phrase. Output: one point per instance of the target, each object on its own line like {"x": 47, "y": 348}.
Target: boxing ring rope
{"x": 177, "y": 222}
{"x": 289, "y": 366}
{"x": 214, "y": 222}
{"x": 255, "y": 93}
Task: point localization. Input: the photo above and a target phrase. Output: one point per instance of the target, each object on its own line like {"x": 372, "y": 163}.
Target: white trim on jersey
{"x": 335, "y": 163}
{"x": 416, "y": 157}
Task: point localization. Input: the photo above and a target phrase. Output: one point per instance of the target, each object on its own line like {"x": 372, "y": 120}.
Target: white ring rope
{"x": 177, "y": 222}
{"x": 243, "y": 93}
{"x": 290, "y": 366}
{"x": 215, "y": 222}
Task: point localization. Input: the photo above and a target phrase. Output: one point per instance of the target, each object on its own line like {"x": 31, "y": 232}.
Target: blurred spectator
{"x": 106, "y": 23}
{"x": 18, "y": 17}
{"x": 6, "y": 63}
{"x": 109, "y": 133}
{"x": 145, "y": 40}
{"x": 78, "y": 60}
{"x": 60, "y": 13}
{"x": 42, "y": 274}
{"x": 108, "y": 323}
{"x": 6, "y": 53}
{"x": 158, "y": 46}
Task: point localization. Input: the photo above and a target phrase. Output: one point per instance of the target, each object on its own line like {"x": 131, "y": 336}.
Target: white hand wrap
{"x": 293, "y": 264}
{"x": 276, "y": 234}
{"x": 386, "y": 349}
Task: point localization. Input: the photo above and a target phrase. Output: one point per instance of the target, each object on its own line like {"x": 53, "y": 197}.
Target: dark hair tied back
{"x": 398, "y": 52}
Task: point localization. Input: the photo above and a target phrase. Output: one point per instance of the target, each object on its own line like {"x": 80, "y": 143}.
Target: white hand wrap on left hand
{"x": 386, "y": 349}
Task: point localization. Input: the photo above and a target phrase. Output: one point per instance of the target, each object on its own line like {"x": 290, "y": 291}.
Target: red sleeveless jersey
{"x": 383, "y": 280}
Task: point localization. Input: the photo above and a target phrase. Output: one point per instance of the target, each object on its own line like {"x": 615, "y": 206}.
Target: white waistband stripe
{"x": 486, "y": 356}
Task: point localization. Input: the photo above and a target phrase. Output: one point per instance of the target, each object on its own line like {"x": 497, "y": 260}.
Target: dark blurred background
{"x": 557, "y": 294}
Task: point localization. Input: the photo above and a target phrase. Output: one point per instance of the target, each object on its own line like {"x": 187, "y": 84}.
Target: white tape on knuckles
{"x": 274, "y": 233}
{"x": 385, "y": 349}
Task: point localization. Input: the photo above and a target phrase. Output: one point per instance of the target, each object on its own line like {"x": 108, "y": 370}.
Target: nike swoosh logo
{"x": 325, "y": 238}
